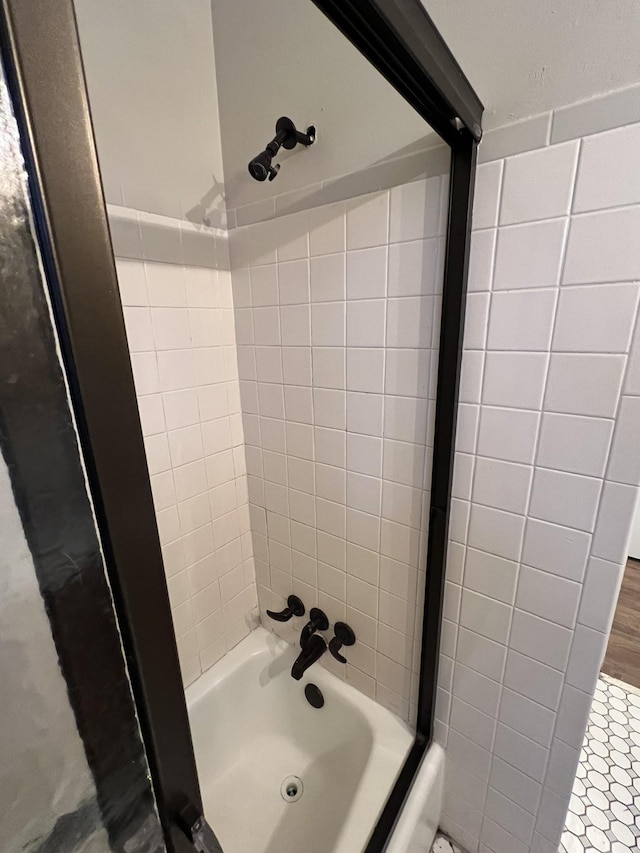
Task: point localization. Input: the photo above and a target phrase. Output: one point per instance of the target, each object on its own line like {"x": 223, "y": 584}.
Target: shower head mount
{"x": 261, "y": 167}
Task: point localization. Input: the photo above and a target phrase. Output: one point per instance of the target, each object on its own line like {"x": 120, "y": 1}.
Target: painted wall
{"x": 525, "y": 58}
{"x": 337, "y": 321}
{"x": 547, "y": 472}
{"x": 286, "y": 58}
{"x": 180, "y": 328}
{"x": 152, "y": 83}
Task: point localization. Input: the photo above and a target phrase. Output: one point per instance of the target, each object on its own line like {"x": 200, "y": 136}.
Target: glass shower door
{"x": 88, "y": 762}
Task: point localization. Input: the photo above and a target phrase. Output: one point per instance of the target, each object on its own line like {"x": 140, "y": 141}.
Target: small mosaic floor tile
{"x": 604, "y": 812}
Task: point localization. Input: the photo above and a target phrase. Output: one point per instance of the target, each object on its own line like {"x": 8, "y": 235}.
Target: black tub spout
{"x": 313, "y": 650}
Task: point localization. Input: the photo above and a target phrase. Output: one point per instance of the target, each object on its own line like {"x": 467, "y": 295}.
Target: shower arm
{"x": 287, "y": 136}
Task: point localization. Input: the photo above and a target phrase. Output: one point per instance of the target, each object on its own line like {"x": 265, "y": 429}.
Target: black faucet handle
{"x": 344, "y": 637}
{"x": 294, "y": 608}
{"x": 317, "y": 622}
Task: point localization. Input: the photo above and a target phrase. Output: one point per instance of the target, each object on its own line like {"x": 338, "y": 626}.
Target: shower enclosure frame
{"x": 41, "y": 54}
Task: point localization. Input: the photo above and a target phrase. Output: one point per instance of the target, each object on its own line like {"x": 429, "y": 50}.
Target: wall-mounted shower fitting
{"x": 294, "y": 608}
{"x": 287, "y": 137}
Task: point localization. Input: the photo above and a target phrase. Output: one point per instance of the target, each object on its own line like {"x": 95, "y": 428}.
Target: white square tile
{"x": 624, "y": 461}
{"x": 328, "y": 324}
{"x": 507, "y": 822}
{"x": 515, "y": 785}
{"x": 296, "y": 365}
{"x": 367, "y": 273}
{"x": 471, "y": 376}
{"x": 363, "y": 529}
{"x": 170, "y": 328}
{"x": 529, "y": 255}
{"x": 365, "y": 370}
{"x": 490, "y": 575}
{"x": 326, "y": 229}
{"x": 514, "y": 380}
{"x": 482, "y": 250}
{"x": 328, "y": 278}
{"x": 293, "y": 282}
{"x": 331, "y": 483}
{"x": 520, "y": 752}
{"x": 538, "y": 184}
{"x": 602, "y": 247}
{"x": 190, "y": 480}
{"x": 575, "y": 444}
{"x": 472, "y": 723}
{"x": 157, "y": 452}
{"x": 584, "y": 384}
{"x": 405, "y": 419}
{"x": 477, "y": 690}
{"x": 467, "y": 428}
{"x": 203, "y": 289}
{"x": 206, "y": 326}
{"x": 508, "y": 434}
{"x": 487, "y": 194}
{"x": 329, "y": 408}
{"x": 566, "y": 499}
{"x": 410, "y": 321}
{"x": 364, "y": 413}
{"x": 166, "y": 285}
{"x": 548, "y": 596}
{"x": 298, "y": 404}
{"x": 264, "y": 285}
{"x": 502, "y": 485}
{"x": 485, "y": 616}
{"x": 266, "y": 326}
{"x": 480, "y": 654}
{"x": 596, "y": 319}
{"x": 540, "y": 639}
{"x": 556, "y": 549}
{"x": 152, "y": 417}
{"x": 608, "y": 174}
{"x": 295, "y": 321}
{"x": 415, "y": 210}
{"x": 271, "y": 400}
{"x": 268, "y": 364}
{"x": 587, "y": 654}
{"x": 132, "y": 282}
{"x": 600, "y": 594}
{"x": 402, "y": 504}
{"x": 186, "y": 445}
{"x": 329, "y": 367}
{"x": 615, "y": 518}
{"x": 330, "y": 446}
{"x": 181, "y": 408}
{"x": 403, "y": 462}
{"x": 476, "y": 320}
{"x": 364, "y": 454}
{"x": 139, "y": 330}
{"x": 364, "y": 493}
{"x": 526, "y": 717}
{"x": 496, "y": 532}
{"x": 163, "y": 491}
{"x": 414, "y": 268}
{"x": 365, "y": 323}
{"x": 521, "y": 321}
{"x": 407, "y": 372}
{"x": 367, "y": 221}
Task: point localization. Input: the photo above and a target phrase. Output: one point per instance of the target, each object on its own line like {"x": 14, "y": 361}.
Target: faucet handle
{"x": 317, "y": 622}
{"x": 344, "y": 637}
{"x": 294, "y": 608}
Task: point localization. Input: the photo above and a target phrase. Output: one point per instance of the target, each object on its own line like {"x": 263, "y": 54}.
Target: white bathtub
{"x": 253, "y": 728}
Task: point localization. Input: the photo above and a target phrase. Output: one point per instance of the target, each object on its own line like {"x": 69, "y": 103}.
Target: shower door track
{"x": 41, "y": 54}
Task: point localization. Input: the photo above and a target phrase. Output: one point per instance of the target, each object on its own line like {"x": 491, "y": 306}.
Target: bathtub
{"x": 278, "y": 775}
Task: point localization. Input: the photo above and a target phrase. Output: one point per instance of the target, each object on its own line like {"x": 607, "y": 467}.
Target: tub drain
{"x": 291, "y": 789}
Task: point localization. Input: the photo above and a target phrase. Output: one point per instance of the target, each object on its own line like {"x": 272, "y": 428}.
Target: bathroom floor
{"x": 604, "y": 812}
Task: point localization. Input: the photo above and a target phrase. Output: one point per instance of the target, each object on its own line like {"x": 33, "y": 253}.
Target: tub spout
{"x": 313, "y": 650}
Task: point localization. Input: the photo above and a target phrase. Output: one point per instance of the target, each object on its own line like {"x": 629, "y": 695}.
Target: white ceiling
{"x": 528, "y": 56}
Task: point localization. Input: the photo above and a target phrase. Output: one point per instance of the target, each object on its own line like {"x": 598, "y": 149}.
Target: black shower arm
{"x": 287, "y": 136}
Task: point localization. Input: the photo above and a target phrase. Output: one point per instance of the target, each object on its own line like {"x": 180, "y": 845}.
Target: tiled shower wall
{"x": 337, "y": 327}
{"x": 546, "y": 480}
{"x": 181, "y": 335}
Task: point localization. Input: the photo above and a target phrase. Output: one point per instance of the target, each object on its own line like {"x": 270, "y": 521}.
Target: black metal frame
{"x": 40, "y": 49}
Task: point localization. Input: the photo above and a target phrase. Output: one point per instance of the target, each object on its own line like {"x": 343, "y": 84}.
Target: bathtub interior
{"x": 253, "y": 729}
